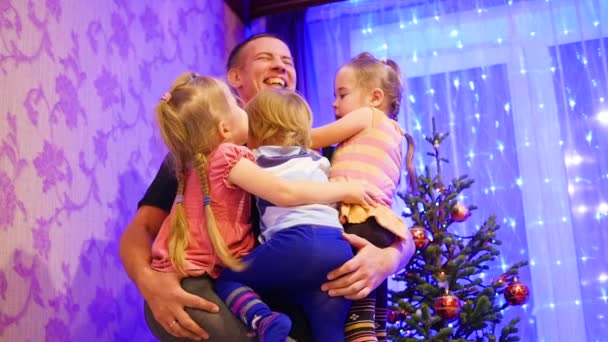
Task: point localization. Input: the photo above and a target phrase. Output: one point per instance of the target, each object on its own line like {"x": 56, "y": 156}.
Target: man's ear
{"x": 377, "y": 97}
{"x": 234, "y": 78}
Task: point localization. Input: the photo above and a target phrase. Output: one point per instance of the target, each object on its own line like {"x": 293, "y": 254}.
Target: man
{"x": 262, "y": 61}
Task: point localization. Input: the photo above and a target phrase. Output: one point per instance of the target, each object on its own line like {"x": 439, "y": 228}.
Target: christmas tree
{"x": 444, "y": 297}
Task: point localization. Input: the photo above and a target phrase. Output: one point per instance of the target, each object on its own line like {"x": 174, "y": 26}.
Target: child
{"x": 368, "y": 93}
{"x": 300, "y": 245}
{"x": 208, "y": 227}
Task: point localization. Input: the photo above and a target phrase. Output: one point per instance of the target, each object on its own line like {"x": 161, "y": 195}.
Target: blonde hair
{"x": 385, "y": 74}
{"x": 188, "y": 124}
{"x": 279, "y": 117}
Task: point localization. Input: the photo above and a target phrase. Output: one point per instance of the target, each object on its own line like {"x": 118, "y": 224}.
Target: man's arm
{"x": 162, "y": 291}
{"x": 356, "y": 278}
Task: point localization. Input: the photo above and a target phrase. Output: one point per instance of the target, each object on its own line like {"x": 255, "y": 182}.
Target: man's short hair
{"x": 235, "y": 54}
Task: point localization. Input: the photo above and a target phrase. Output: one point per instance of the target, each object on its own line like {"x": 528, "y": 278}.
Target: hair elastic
{"x": 206, "y": 200}
{"x": 179, "y": 199}
{"x": 166, "y": 97}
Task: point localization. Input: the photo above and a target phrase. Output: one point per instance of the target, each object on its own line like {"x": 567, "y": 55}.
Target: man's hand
{"x": 162, "y": 291}
{"x": 167, "y": 300}
{"x": 356, "y": 278}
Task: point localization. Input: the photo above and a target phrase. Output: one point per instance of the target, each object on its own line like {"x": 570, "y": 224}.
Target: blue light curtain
{"x": 522, "y": 87}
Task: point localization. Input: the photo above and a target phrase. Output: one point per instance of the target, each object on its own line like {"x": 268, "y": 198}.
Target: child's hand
{"x": 363, "y": 194}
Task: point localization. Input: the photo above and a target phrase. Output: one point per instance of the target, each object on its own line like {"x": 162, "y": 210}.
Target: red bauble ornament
{"x": 517, "y": 293}
{"x": 392, "y": 317}
{"x": 420, "y": 236}
{"x": 460, "y": 212}
{"x": 448, "y": 306}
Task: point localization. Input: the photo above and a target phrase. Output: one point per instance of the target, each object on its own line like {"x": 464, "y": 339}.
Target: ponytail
{"x": 412, "y": 179}
{"x": 175, "y": 136}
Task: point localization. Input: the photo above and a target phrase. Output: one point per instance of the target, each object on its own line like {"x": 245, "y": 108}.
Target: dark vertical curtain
{"x": 291, "y": 27}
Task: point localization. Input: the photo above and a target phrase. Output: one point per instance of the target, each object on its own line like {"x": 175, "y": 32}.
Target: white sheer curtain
{"x": 522, "y": 87}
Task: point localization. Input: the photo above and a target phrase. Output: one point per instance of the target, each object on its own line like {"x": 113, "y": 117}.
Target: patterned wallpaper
{"x": 78, "y": 146}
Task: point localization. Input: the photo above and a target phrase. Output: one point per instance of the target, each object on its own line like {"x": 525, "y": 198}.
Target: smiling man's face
{"x": 265, "y": 62}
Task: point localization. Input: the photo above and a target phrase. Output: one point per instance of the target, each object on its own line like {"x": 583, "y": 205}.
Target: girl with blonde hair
{"x": 209, "y": 227}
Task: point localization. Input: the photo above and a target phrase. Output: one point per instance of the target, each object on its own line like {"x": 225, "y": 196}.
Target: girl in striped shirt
{"x": 368, "y": 94}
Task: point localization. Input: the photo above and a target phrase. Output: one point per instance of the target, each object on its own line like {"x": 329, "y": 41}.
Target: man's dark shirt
{"x": 161, "y": 193}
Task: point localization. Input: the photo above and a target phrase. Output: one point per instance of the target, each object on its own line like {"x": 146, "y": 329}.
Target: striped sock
{"x": 381, "y": 312}
{"x": 381, "y": 324}
{"x": 274, "y": 328}
{"x": 360, "y": 325}
{"x": 247, "y": 305}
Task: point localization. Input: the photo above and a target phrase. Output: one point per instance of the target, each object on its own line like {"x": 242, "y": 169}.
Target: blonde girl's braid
{"x": 179, "y": 237}
{"x": 175, "y": 135}
{"x": 218, "y": 243}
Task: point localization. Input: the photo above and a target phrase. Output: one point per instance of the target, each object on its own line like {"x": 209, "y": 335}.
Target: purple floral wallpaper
{"x": 78, "y": 147}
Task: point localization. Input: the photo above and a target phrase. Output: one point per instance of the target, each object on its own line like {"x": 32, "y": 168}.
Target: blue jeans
{"x": 292, "y": 265}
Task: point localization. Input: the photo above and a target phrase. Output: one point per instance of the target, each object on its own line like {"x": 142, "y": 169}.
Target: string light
{"x": 573, "y": 159}
{"x": 602, "y": 208}
{"x": 602, "y": 117}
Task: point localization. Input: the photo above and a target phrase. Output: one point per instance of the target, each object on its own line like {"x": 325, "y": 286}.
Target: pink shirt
{"x": 231, "y": 207}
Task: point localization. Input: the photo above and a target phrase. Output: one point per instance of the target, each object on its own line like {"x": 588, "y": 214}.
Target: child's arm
{"x": 342, "y": 129}
{"x": 285, "y": 193}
